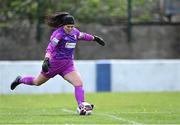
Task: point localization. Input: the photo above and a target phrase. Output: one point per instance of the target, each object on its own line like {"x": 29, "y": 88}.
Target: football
{"x": 85, "y": 108}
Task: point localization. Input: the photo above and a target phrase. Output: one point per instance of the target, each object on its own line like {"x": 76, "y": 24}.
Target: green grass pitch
{"x": 110, "y": 108}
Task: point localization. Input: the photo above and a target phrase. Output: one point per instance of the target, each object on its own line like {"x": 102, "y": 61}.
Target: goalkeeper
{"x": 59, "y": 57}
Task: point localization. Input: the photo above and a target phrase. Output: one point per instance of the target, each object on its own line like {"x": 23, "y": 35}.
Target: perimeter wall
{"x": 99, "y": 76}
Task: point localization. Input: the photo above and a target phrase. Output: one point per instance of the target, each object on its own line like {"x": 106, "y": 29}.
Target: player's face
{"x": 68, "y": 28}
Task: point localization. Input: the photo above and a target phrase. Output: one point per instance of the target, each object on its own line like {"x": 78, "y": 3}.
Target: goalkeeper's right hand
{"x": 46, "y": 65}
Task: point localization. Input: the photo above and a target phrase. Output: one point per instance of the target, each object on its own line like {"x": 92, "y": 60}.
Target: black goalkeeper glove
{"x": 99, "y": 40}
{"x": 45, "y": 65}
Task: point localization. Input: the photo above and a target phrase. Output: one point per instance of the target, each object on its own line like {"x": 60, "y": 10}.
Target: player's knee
{"x": 78, "y": 84}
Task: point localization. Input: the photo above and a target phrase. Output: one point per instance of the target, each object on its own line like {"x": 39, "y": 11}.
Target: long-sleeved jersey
{"x": 62, "y": 44}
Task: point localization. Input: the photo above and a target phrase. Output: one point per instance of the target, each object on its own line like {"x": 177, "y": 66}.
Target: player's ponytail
{"x": 56, "y": 20}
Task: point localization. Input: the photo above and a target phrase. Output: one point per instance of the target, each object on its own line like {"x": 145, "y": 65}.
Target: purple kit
{"x": 61, "y": 47}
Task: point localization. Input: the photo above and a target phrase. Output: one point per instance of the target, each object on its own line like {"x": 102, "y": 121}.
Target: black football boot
{"x": 15, "y": 83}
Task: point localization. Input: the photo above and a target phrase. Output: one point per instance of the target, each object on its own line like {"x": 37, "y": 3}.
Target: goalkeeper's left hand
{"x": 99, "y": 40}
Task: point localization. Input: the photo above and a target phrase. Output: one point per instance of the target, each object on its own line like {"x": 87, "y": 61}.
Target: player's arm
{"x": 51, "y": 46}
{"x": 89, "y": 37}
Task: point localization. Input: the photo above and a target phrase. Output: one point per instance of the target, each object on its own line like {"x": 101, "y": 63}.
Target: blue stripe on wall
{"x": 103, "y": 76}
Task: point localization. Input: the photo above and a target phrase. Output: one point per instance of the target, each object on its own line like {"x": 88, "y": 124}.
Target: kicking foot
{"x": 15, "y": 83}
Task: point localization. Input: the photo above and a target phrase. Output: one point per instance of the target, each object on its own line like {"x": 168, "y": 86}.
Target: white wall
{"x": 9, "y": 71}
{"x": 146, "y": 75}
{"x": 126, "y": 75}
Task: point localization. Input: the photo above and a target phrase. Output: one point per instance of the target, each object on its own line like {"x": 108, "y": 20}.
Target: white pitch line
{"x": 68, "y": 111}
{"x": 146, "y": 112}
{"x": 119, "y": 118}
{"x": 110, "y": 116}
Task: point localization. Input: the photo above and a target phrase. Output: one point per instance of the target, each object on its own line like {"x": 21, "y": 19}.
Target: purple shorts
{"x": 61, "y": 67}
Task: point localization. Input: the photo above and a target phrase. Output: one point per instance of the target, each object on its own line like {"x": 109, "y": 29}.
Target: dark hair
{"x": 56, "y": 20}
{"x": 68, "y": 20}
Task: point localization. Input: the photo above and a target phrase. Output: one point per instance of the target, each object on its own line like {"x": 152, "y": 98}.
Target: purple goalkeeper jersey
{"x": 62, "y": 44}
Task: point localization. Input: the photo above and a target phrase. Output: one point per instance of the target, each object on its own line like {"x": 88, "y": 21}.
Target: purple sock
{"x": 28, "y": 80}
{"x": 79, "y": 94}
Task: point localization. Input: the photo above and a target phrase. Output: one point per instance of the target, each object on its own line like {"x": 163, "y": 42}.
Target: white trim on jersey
{"x": 70, "y": 45}
{"x": 81, "y": 35}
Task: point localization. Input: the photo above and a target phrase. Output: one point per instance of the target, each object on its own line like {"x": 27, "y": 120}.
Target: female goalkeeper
{"x": 59, "y": 57}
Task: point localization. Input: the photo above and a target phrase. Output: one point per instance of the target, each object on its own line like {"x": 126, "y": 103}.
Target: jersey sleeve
{"x": 84, "y": 36}
{"x": 54, "y": 40}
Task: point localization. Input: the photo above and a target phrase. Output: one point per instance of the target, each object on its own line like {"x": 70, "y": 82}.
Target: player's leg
{"x": 40, "y": 80}
{"x": 29, "y": 80}
{"x": 75, "y": 79}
